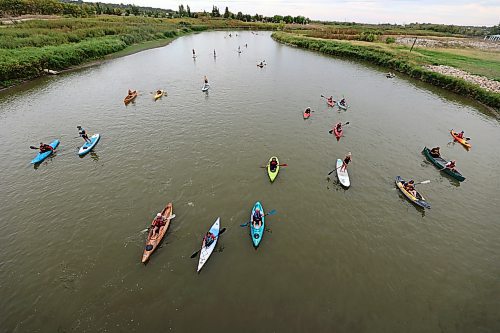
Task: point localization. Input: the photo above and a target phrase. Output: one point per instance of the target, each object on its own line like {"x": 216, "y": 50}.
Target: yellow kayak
{"x": 159, "y": 94}
{"x": 461, "y": 140}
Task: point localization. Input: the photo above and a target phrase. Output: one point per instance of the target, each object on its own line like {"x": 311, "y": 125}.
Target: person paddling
{"x": 194, "y": 53}
{"x": 435, "y": 152}
{"x": 338, "y": 127}
{"x": 330, "y": 99}
{"x": 347, "y": 160}
{"x": 83, "y": 133}
{"x": 308, "y": 111}
{"x": 410, "y": 187}
{"x": 158, "y": 222}
{"x": 257, "y": 218}
{"x": 206, "y": 79}
{"x": 273, "y": 164}
{"x": 342, "y": 102}
{"x": 45, "y": 147}
{"x": 215, "y": 55}
{"x": 208, "y": 239}
{"x": 451, "y": 166}
{"x": 460, "y": 135}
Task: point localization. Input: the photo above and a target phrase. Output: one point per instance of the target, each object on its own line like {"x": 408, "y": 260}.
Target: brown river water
{"x": 332, "y": 260}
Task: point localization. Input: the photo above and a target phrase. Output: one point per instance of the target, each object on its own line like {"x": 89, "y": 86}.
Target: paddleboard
{"x": 88, "y": 146}
{"x": 342, "y": 175}
{"x": 205, "y": 87}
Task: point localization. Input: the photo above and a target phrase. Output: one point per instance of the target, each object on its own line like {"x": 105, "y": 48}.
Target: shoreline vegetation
{"x": 399, "y": 59}
{"x": 30, "y": 47}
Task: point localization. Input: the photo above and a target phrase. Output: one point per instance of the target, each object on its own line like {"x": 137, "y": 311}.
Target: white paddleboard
{"x": 342, "y": 175}
{"x": 88, "y": 146}
{"x": 205, "y": 252}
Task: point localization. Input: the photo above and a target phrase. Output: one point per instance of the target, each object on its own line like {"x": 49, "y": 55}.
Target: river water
{"x": 333, "y": 260}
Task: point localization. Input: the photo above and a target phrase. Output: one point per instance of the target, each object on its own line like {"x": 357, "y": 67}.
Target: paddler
{"x": 346, "y": 161}
{"x": 308, "y": 110}
{"x": 158, "y": 222}
{"x": 451, "y": 165}
{"x": 410, "y": 187}
{"x": 338, "y": 127}
{"x": 257, "y": 218}
{"x": 83, "y": 133}
{"x": 194, "y": 53}
{"x": 45, "y": 147}
{"x": 208, "y": 239}
{"x": 460, "y": 135}
{"x": 273, "y": 164}
{"x": 330, "y": 99}
{"x": 342, "y": 101}
{"x": 206, "y": 79}
{"x": 435, "y": 152}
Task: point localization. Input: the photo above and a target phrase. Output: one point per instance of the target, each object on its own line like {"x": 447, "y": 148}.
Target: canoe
{"x": 206, "y": 251}
{"x": 257, "y": 233}
{"x": 419, "y": 200}
{"x": 307, "y": 115}
{"x": 88, "y": 146}
{"x": 343, "y": 176}
{"x": 130, "y": 97}
{"x": 155, "y": 239}
{"x": 205, "y": 87}
{"x": 461, "y": 140}
{"x": 338, "y": 134}
{"x": 341, "y": 106}
{"x": 273, "y": 175}
{"x": 159, "y": 95}
{"x": 440, "y": 163}
{"x": 331, "y": 104}
{"x": 42, "y": 156}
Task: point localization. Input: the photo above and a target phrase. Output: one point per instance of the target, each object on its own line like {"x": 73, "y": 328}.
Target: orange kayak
{"x": 130, "y": 97}
{"x": 461, "y": 140}
{"x": 155, "y": 238}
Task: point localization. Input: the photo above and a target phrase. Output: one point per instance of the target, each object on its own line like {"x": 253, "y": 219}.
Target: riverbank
{"x": 397, "y": 59}
{"x": 29, "y": 48}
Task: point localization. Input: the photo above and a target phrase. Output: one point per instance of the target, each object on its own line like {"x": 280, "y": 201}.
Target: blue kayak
{"x": 42, "y": 156}
{"x": 257, "y": 232}
{"x": 89, "y": 145}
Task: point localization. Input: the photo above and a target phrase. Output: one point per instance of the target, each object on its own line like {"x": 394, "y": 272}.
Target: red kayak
{"x": 338, "y": 134}
{"x": 331, "y": 104}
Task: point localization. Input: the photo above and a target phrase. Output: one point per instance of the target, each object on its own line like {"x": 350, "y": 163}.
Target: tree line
{"x": 86, "y": 9}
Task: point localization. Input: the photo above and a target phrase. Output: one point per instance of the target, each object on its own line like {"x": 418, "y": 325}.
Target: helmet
{"x": 78, "y": 126}
{"x": 158, "y": 215}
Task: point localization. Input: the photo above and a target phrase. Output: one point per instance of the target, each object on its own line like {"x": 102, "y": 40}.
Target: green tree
{"x": 226, "y": 13}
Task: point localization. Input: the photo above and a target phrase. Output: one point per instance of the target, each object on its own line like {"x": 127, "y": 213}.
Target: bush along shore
{"x": 28, "y": 48}
{"x": 396, "y": 60}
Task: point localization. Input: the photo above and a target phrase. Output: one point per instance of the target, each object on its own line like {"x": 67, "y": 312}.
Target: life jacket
{"x": 45, "y": 147}
{"x": 257, "y": 217}
{"x": 450, "y": 165}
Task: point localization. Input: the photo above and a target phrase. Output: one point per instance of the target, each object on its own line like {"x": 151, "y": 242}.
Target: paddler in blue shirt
{"x": 83, "y": 133}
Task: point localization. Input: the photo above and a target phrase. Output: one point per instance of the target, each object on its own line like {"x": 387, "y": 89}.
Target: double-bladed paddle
{"x": 270, "y": 213}
{"x": 284, "y": 164}
{"x": 196, "y": 253}
{"x": 331, "y": 131}
{"x": 167, "y": 218}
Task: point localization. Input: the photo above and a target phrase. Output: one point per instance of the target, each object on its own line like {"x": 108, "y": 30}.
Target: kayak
{"x": 342, "y": 106}
{"x": 331, "y": 104}
{"x": 205, "y": 87}
{"x": 343, "y": 176}
{"x": 257, "y": 233}
{"x": 307, "y": 115}
{"x": 273, "y": 175}
{"x": 338, "y": 134}
{"x": 42, "y": 156}
{"x": 155, "y": 239}
{"x": 159, "y": 95}
{"x": 419, "y": 200}
{"x": 88, "y": 146}
{"x": 461, "y": 140}
{"x": 130, "y": 97}
{"x": 440, "y": 163}
{"x": 206, "y": 251}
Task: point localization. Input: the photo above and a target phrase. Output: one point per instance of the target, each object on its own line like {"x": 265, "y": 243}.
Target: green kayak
{"x": 273, "y": 173}
{"x": 440, "y": 163}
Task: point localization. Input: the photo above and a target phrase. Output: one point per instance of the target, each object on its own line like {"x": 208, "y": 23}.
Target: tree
{"x": 288, "y": 19}
{"x": 226, "y": 13}
{"x": 239, "y": 16}
{"x": 188, "y": 10}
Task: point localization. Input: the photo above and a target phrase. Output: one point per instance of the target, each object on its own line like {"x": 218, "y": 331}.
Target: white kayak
{"x": 205, "y": 87}
{"x": 206, "y": 251}
{"x": 88, "y": 146}
{"x": 342, "y": 175}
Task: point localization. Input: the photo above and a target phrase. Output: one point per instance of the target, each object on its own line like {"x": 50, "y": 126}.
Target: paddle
{"x": 270, "y": 213}
{"x": 169, "y": 218}
{"x": 33, "y": 147}
{"x": 331, "y": 131}
{"x": 196, "y": 253}
{"x": 422, "y": 182}
{"x": 284, "y": 164}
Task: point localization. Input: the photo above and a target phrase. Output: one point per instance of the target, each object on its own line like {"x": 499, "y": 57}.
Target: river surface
{"x": 333, "y": 260}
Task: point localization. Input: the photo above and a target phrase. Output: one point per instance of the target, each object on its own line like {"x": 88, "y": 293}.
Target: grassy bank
{"x": 29, "y": 47}
{"x": 397, "y": 58}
